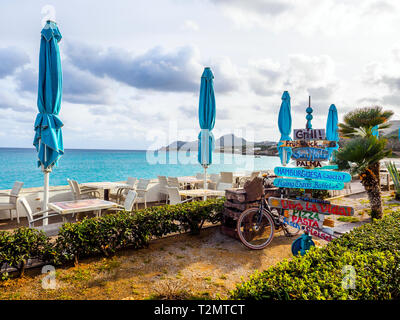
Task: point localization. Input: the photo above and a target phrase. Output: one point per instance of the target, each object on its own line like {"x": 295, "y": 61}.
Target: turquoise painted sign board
{"x": 308, "y": 184}
{"x": 335, "y": 176}
{"x": 310, "y": 154}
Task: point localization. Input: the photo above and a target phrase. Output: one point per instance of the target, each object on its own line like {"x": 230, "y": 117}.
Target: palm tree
{"x": 361, "y": 121}
{"x": 362, "y": 154}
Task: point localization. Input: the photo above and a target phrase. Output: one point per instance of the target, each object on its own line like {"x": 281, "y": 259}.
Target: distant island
{"x": 230, "y": 143}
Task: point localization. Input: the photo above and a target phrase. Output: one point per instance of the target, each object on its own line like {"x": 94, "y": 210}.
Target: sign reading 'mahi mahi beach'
{"x": 312, "y": 174}
{"x": 308, "y": 184}
{"x": 307, "y": 206}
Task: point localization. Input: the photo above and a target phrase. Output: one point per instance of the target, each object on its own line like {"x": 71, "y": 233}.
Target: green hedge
{"x": 22, "y": 244}
{"x": 373, "y": 251}
{"x": 106, "y": 234}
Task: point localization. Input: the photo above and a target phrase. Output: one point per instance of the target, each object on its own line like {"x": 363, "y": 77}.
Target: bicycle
{"x": 256, "y": 226}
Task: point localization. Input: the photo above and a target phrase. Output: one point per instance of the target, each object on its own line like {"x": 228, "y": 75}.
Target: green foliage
{"x": 348, "y": 219}
{"x": 394, "y": 173}
{"x": 362, "y": 120}
{"x": 361, "y": 153}
{"x": 373, "y": 251}
{"x": 99, "y": 236}
{"x": 22, "y": 244}
{"x": 105, "y": 235}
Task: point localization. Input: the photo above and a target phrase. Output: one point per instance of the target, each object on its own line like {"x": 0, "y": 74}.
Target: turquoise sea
{"x": 18, "y": 164}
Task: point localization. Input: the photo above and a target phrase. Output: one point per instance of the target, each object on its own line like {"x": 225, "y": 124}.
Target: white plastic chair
{"x": 226, "y": 181}
{"x": 175, "y": 197}
{"x": 141, "y": 190}
{"x": 226, "y": 177}
{"x": 123, "y": 192}
{"x": 50, "y": 229}
{"x": 12, "y": 199}
{"x": 199, "y": 176}
{"x": 163, "y": 184}
{"x": 129, "y": 202}
{"x": 174, "y": 182}
{"x": 83, "y": 194}
{"x": 215, "y": 178}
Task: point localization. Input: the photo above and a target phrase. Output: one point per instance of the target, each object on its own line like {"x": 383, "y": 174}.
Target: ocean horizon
{"x": 93, "y": 165}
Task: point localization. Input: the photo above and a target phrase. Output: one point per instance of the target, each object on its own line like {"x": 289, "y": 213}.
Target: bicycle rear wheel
{"x": 287, "y": 230}
{"x": 254, "y": 231}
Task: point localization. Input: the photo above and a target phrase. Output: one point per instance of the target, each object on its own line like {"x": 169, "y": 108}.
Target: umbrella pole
{"x": 46, "y": 173}
{"x": 205, "y": 183}
{"x": 45, "y": 194}
{"x": 284, "y": 157}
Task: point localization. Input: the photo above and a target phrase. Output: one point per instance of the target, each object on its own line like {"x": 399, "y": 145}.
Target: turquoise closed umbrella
{"x": 48, "y": 136}
{"x": 285, "y": 127}
{"x": 207, "y": 121}
{"x": 332, "y": 133}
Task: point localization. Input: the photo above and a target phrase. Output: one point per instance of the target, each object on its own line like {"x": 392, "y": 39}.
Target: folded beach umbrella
{"x": 285, "y": 127}
{"x": 48, "y": 136}
{"x": 332, "y": 133}
{"x": 207, "y": 121}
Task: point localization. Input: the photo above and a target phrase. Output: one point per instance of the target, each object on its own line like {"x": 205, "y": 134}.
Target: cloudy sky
{"x": 131, "y": 69}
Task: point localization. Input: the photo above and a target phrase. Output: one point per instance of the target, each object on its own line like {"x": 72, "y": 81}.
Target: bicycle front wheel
{"x": 255, "y": 228}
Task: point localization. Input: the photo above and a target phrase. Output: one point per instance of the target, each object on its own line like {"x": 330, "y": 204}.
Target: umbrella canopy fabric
{"x": 206, "y": 118}
{"x": 332, "y": 132}
{"x": 285, "y": 127}
{"x": 48, "y": 136}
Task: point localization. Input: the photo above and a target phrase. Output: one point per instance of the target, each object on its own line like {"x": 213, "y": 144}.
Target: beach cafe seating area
{"x": 23, "y": 207}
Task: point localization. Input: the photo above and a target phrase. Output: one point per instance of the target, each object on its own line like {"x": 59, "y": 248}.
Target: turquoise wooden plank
{"x": 335, "y": 176}
{"x": 308, "y": 184}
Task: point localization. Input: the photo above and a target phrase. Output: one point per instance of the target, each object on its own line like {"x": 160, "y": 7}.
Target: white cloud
{"x": 309, "y": 17}
{"x": 190, "y": 25}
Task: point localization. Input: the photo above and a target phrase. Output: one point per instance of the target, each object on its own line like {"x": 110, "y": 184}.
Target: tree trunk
{"x": 371, "y": 181}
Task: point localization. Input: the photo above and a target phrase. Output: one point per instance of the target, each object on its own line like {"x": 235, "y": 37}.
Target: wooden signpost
{"x": 312, "y": 174}
{"x": 309, "y": 149}
{"x": 308, "y": 206}
{"x": 308, "y": 143}
{"x": 308, "y": 184}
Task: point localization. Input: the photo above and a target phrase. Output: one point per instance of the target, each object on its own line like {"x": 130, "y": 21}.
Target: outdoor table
{"x": 106, "y": 187}
{"x": 191, "y": 180}
{"x": 75, "y": 206}
{"x": 199, "y": 193}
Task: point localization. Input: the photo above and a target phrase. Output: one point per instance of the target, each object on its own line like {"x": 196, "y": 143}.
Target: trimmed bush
{"x": 22, "y": 244}
{"x": 372, "y": 250}
{"x": 106, "y": 234}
